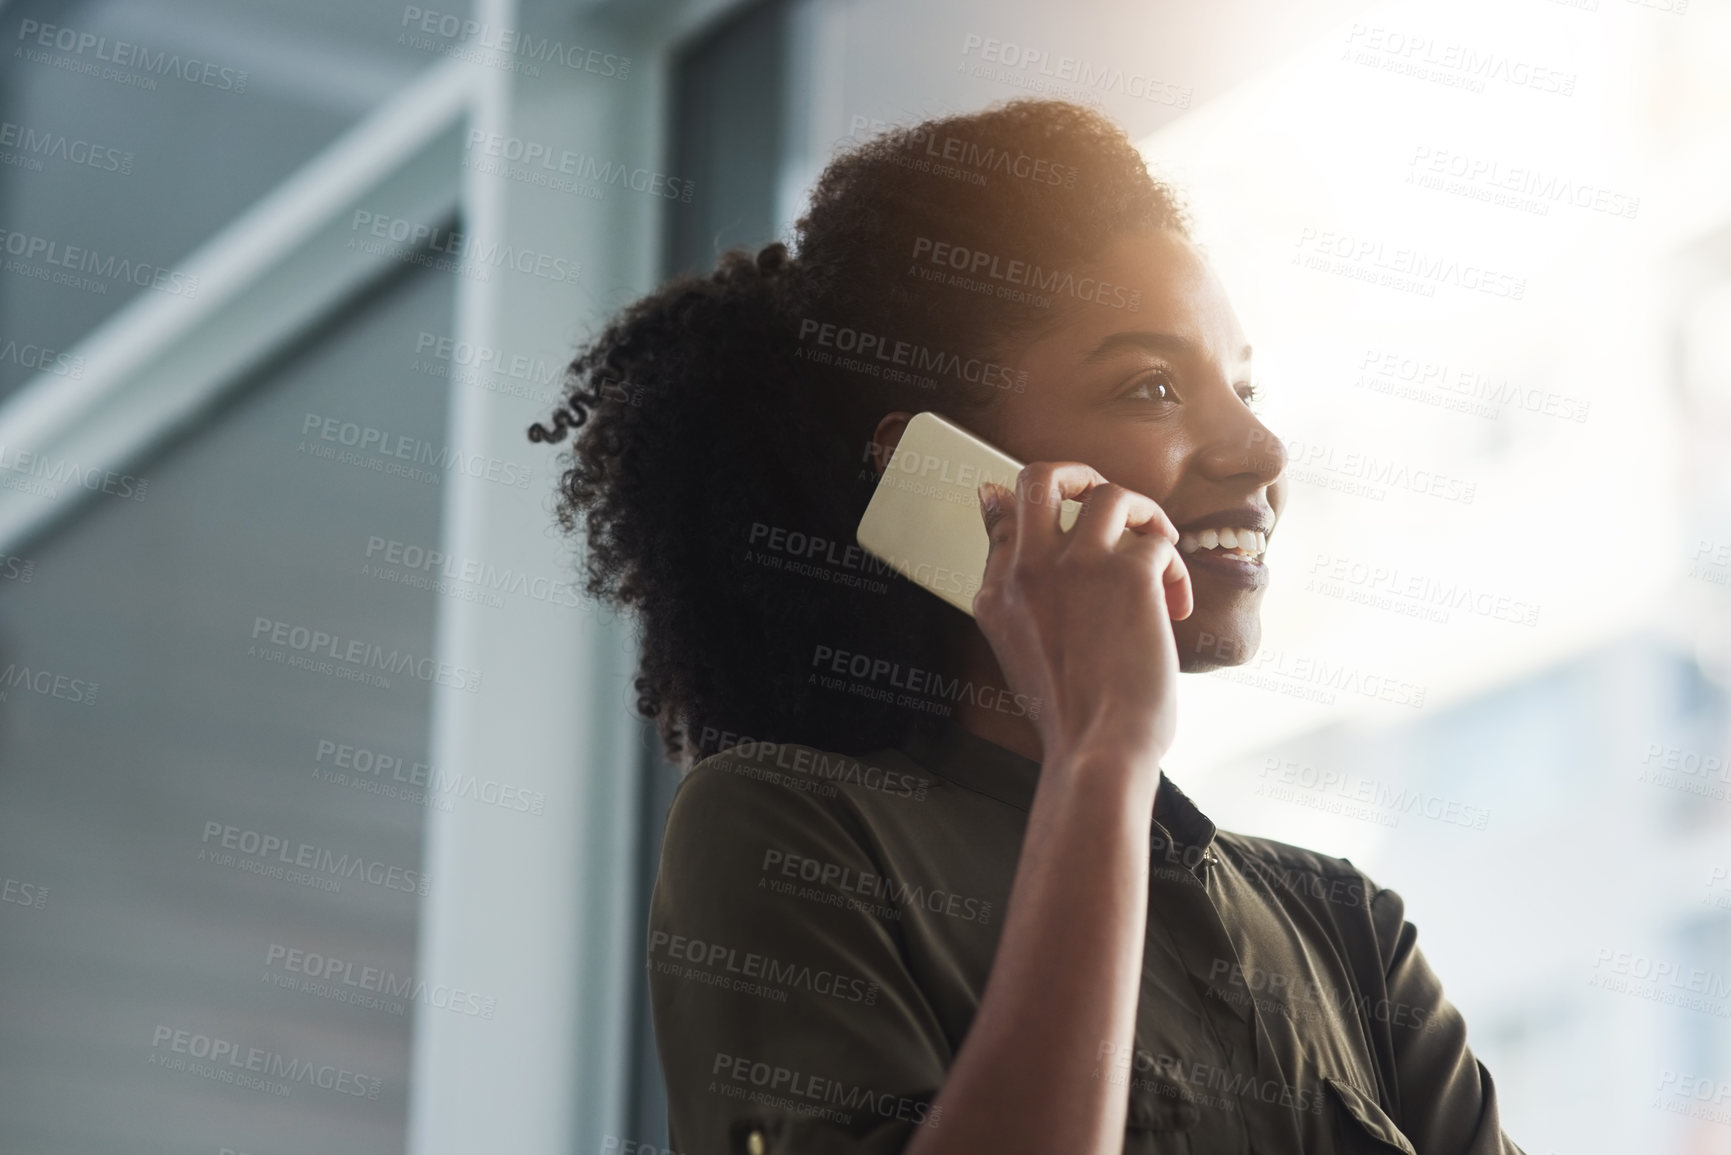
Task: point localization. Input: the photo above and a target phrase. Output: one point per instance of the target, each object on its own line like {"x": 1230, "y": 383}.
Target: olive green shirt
{"x": 823, "y": 926}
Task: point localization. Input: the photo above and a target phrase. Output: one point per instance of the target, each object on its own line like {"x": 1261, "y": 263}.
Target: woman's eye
{"x": 1250, "y": 393}
{"x": 1152, "y": 387}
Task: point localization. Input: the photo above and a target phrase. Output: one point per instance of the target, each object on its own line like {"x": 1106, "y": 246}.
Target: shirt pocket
{"x": 1163, "y": 1105}
{"x": 1363, "y": 1127}
{"x": 857, "y": 1131}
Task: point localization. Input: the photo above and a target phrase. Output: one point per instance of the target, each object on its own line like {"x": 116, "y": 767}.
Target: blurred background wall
{"x": 312, "y": 752}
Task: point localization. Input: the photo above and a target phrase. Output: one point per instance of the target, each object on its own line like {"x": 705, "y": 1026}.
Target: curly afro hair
{"x": 723, "y": 423}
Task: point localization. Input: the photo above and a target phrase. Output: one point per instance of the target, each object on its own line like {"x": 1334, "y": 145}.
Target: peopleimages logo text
{"x": 362, "y": 653}
{"x": 404, "y": 447}
{"x": 125, "y": 54}
{"x": 258, "y": 1061}
{"x": 437, "y": 239}
{"x": 515, "y": 42}
{"x": 30, "y": 247}
{"x": 274, "y": 847}
{"x": 581, "y": 165}
{"x": 1024, "y": 274}
{"x": 1086, "y": 75}
{"x": 38, "y": 145}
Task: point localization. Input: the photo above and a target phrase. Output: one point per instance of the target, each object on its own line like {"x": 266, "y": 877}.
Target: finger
{"x": 1041, "y": 489}
{"x": 1159, "y": 555}
{"x": 997, "y": 511}
{"x": 1110, "y": 510}
{"x": 1152, "y": 520}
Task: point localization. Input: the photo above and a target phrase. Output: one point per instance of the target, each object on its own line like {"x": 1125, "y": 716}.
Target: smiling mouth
{"x": 1246, "y": 544}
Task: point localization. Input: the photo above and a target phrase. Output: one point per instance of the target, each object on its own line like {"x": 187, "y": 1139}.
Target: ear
{"x": 886, "y": 437}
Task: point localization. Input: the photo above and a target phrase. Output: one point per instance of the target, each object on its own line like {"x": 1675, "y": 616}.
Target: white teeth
{"x": 1247, "y": 542}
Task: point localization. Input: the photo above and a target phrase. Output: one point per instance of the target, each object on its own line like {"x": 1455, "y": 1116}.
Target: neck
{"x": 1008, "y": 727}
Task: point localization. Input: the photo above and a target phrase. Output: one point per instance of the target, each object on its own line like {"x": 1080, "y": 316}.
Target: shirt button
{"x": 755, "y": 1144}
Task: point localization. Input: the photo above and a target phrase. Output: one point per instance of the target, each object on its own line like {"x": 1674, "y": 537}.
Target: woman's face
{"x": 1156, "y": 400}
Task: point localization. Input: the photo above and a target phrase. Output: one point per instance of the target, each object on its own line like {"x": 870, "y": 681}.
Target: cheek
{"x": 1150, "y": 467}
{"x": 1138, "y": 457}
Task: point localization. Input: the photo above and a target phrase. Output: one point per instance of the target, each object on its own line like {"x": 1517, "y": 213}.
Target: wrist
{"x": 1132, "y": 774}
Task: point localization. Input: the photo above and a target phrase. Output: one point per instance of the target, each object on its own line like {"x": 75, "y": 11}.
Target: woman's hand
{"x": 1081, "y": 621}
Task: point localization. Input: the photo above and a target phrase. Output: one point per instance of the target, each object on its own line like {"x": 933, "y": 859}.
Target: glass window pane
{"x": 213, "y": 735}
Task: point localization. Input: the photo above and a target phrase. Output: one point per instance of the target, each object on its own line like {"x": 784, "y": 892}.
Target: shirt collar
{"x": 963, "y": 757}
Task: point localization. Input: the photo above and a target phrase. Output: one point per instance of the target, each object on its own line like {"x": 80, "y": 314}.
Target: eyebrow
{"x": 1156, "y": 342}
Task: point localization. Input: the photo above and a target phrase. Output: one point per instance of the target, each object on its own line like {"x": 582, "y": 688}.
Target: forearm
{"x": 1038, "y": 1069}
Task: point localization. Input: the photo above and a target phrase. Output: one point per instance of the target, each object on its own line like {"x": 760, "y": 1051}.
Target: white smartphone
{"x": 924, "y": 516}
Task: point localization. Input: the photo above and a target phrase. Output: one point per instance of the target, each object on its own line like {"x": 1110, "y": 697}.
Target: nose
{"x": 1241, "y": 448}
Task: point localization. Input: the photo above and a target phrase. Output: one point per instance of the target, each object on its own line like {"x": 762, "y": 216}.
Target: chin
{"x": 1213, "y": 641}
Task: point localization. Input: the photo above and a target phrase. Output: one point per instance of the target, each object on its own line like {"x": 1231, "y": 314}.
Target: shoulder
{"x": 751, "y": 806}
{"x": 759, "y": 781}
{"x": 1333, "y": 889}
{"x": 1286, "y": 856}
{"x": 744, "y": 779}
{"x": 1305, "y": 873}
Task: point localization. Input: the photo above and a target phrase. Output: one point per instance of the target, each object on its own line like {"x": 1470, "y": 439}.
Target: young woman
{"x": 926, "y": 889}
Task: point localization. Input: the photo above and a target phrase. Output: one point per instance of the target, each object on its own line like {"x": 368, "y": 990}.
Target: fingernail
{"x": 988, "y": 495}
